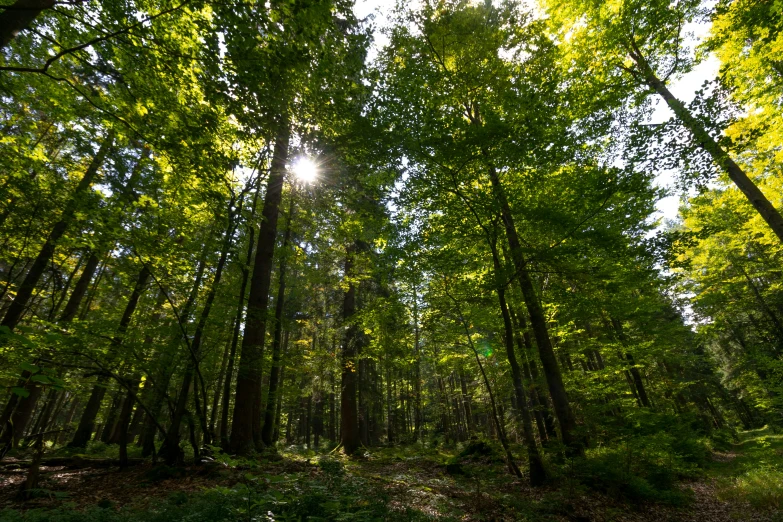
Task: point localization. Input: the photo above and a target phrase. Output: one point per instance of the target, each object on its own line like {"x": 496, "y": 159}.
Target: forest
{"x": 277, "y": 261}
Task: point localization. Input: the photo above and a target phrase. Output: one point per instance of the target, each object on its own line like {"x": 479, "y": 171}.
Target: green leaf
{"x": 26, "y": 366}
{"x": 21, "y": 392}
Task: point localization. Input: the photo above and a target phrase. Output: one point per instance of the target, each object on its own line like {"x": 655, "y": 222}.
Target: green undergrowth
{"x": 647, "y": 462}
{"x": 455, "y": 481}
{"x": 752, "y": 471}
{"x": 326, "y": 492}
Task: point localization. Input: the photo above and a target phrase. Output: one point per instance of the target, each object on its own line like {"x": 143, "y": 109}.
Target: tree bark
{"x": 709, "y": 144}
{"x": 498, "y": 426}
{"x": 82, "y": 284}
{"x": 25, "y": 290}
{"x": 537, "y": 472}
{"x": 87, "y": 421}
{"x": 546, "y": 352}
{"x": 634, "y": 371}
{"x": 246, "y": 421}
{"x": 274, "y": 373}
{"x": 18, "y": 16}
{"x": 192, "y": 368}
{"x": 224, "y": 442}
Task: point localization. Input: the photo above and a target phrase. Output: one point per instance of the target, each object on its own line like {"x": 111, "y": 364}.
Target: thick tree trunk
{"x": 274, "y": 373}
{"x": 349, "y": 421}
{"x": 246, "y": 421}
{"x": 237, "y": 326}
{"x": 546, "y": 352}
{"x": 18, "y": 16}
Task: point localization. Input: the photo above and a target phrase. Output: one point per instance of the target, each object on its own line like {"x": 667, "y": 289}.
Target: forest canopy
{"x": 239, "y": 231}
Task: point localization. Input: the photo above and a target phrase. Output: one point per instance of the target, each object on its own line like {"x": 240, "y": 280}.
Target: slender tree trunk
{"x": 110, "y": 418}
{"x": 82, "y": 284}
{"x": 246, "y": 421}
{"x": 634, "y": 371}
{"x": 498, "y": 426}
{"x": 278, "y": 412}
{"x": 332, "y": 409}
{"x": 218, "y": 390}
{"x": 537, "y": 473}
{"x": 192, "y": 368}
{"x": 546, "y": 352}
{"x": 124, "y": 420}
{"x": 25, "y": 290}
{"x": 709, "y": 144}
{"x": 349, "y": 421}
{"x": 87, "y": 421}
{"x": 417, "y": 367}
{"x": 537, "y": 407}
{"x": 466, "y": 406}
{"x": 68, "y": 420}
{"x": 64, "y": 291}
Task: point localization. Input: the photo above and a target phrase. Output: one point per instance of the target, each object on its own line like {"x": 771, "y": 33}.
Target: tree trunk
{"x": 218, "y": 390}
{"x": 710, "y": 145}
{"x": 124, "y": 420}
{"x": 274, "y": 373}
{"x": 537, "y": 473}
{"x": 82, "y": 284}
{"x": 224, "y": 443}
{"x": 110, "y": 418}
{"x": 246, "y": 421}
{"x": 635, "y": 375}
{"x": 194, "y": 348}
{"x": 18, "y": 16}
{"x": 417, "y": 368}
{"x": 25, "y": 290}
{"x": 498, "y": 426}
{"x": 278, "y": 412}
{"x": 87, "y": 421}
{"x": 349, "y": 421}
{"x": 538, "y": 320}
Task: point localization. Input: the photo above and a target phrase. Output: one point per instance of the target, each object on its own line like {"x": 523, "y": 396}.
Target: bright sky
{"x": 684, "y": 88}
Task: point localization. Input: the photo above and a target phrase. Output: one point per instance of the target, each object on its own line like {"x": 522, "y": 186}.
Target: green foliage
{"x": 282, "y": 497}
{"x": 761, "y": 488}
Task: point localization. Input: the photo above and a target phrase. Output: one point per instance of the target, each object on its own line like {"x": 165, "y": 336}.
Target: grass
{"x": 755, "y": 473}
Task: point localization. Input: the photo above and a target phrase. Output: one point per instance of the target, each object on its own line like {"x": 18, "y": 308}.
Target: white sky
{"x": 683, "y": 88}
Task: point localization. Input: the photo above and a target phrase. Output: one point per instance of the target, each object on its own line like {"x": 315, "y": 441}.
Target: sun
{"x": 305, "y": 170}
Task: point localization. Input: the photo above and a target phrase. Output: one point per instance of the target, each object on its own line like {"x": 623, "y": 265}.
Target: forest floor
{"x": 401, "y": 483}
